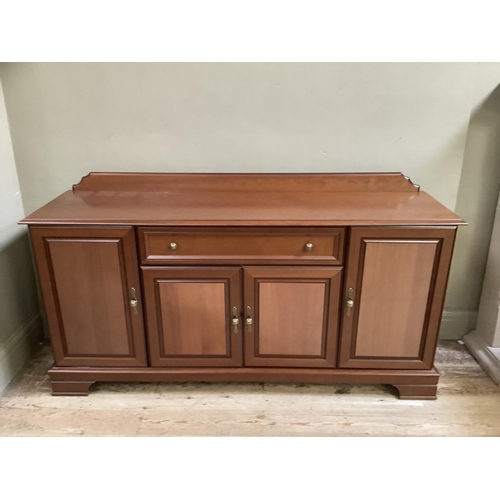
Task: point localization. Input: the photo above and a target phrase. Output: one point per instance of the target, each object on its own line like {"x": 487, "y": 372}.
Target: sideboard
{"x": 302, "y": 278}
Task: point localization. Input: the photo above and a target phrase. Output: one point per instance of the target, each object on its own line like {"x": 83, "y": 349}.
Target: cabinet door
{"x": 189, "y": 314}
{"x": 293, "y": 316}
{"x": 396, "y": 278}
{"x": 86, "y": 277}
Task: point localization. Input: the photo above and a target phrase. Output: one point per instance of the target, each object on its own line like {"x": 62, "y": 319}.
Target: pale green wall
{"x": 68, "y": 119}
{"x": 19, "y": 318}
{"x": 71, "y": 118}
{"x": 478, "y": 189}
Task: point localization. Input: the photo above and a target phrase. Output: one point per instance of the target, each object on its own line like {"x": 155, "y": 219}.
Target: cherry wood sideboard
{"x": 303, "y": 278}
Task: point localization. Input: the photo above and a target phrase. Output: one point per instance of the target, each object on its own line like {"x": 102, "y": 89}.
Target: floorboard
{"x": 468, "y": 404}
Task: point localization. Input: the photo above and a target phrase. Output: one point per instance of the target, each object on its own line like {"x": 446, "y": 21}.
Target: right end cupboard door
{"x": 393, "y": 296}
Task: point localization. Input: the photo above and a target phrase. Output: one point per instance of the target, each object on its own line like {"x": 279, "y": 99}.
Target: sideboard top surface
{"x": 244, "y": 200}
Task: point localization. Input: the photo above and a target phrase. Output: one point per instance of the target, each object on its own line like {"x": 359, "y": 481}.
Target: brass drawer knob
{"x": 309, "y": 246}
{"x": 173, "y": 246}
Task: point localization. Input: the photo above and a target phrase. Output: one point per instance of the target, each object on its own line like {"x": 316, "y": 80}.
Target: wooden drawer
{"x": 243, "y": 245}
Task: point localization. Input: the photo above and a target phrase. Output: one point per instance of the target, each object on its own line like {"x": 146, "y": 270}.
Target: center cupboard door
{"x": 393, "y": 296}
{"x": 291, "y": 316}
{"x": 193, "y": 315}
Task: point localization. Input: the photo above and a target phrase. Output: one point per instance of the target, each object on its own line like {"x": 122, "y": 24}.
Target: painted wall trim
{"x": 456, "y": 324}
{"x": 16, "y": 351}
{"x": 488, "y": 357}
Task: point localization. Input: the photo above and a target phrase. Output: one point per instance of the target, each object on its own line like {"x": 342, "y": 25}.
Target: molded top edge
{"x": 268, "y": 182}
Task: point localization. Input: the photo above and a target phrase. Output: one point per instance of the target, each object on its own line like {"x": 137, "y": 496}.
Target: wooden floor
{"x": 468, "y": 404}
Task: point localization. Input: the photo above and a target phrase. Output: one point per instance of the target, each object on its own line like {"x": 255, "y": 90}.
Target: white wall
{"x": 71, "y": 118}
{"x": 19, "y": 318}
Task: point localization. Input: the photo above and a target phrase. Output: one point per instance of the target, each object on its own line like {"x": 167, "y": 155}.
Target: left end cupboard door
{"x": 193, "y": 316}
{"x": 89, "y": 279}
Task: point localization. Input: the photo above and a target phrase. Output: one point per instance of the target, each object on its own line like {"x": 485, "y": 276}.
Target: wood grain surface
{"x": 200, "y": 245}
{"x": 291, "y": 318}
{"x": 86, "y": 276}
{"x": 189, "y": 313}
{"x": 193, "y": 318}
{"x": 318, "y": 182}
{"x": 295, "y": 314}
{"x": 394, "y": 296}
{"x": 245, "y": 200}
{"x": 398, "y": 278}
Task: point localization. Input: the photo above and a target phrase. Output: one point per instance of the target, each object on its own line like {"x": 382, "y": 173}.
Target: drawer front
{"x": 246, "y": 245}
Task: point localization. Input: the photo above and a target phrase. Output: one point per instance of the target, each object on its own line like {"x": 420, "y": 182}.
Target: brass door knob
{"x": 235, "y": 320}
{"x": 350, "y": 301}
{"x": 133, "y": 301}
{"x": 173, "y": 246}
{"x": 249, "y": 320}
{"x": 309, "y": 246}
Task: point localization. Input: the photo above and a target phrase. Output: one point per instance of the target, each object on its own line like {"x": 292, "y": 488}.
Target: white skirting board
{"x": 456, "y": 324}
{"x": 488, "y": 357}
{"x": 16, "y": 351}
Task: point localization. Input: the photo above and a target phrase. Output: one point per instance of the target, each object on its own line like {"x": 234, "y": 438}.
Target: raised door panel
{"x": 397, "y": 280}
{"x": 291, "y": 316}
{"x": 190, "y": 314}
{"x": 87, "y": 276}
